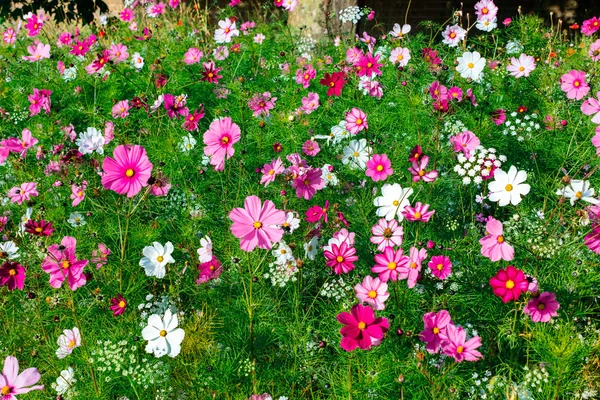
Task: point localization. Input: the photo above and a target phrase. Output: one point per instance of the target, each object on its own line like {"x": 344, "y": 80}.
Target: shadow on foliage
{"x": 63, "y": 10}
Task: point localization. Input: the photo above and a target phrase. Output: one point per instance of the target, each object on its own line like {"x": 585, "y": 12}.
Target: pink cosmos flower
{"x": 592, "y": 106}
{"x": 192, "y": 56}
{"x": 175, "y": 105}
{"x": 353, "y": 55}
{"x": 118, "y": 305}
{"x": 498, "y": 117}
{"x": 542, "y": 307}
{"x": 255, "y": 225}
{"x": 418, "y": 171}
{"x": 192, "y": 119}
{"x": 340, "y": 257}
{"x": 21, "y": 146}
{"x": 400, "y": 56}
{"x": 78, "y": 193}
{"x": 418, "y": 213}
{"x": 592, "y": 240}
{"x": 155, "y": 9}
{"x": 69, "y": 340}
{"x": 453, "y": 35}
{"x": 209, "y": 270}
{"x": 387, "y": 234}
{"x": 368, "y": 65}
{"x": 308, "y": 183}
{"x": 590, "y": 26}
{"x": 39, "y": 228}
{"x": 412, "y": 267}
{"x": 126, "y": 15}
{"x": 40, "y": 100}
{"x": 594, "y": 52}
{"x": 509, "y": 283}
{"x": 373, "y": 292}
{"x": 9, "y": 36}
{"x": 311, "y": 148}
{"x": 521, "y": 66}
{"x": 80, "y": 48}
{"x": 361, "y": 328}
{"x": 128, "y": 172}
{"x": 161, "y": 186}
{"x": 356, "y": 121}
{"x": 310, "y": 103}
{"x": 117, "y": 53}
{"x": 121, "y": 109}
{"x": 227, "y": 30}
{"x": 37, "y": 52}
{"x": 434, "y": 332}
{"x": 305, "y": 74}
{"x": 219, "y": 139}
{"x": 389, "y": 264}
{"x": 458, "y": 347}
{"x": 271, "y": 170}
{"x": 379, "y": 167}
{"x": 493, "y": 245}
{"x": 466, "y": 142}
{"x": 34, "y": 25}
{"x": 260, "y": 104}
{"x": 438, "y": 91}
{"x": 100, "y": 256}
{"x": 455, "y": 93}
{"x": 440, "y": 266}
{"x": 24, "y": 192}
{"x": 486, "y": 9}
{"x": 13, "y": 383}
{"x": 62, "y": 264}
{"x": 210, "y": 72}
{"x": 574, "y": 84}
{"x": 12, "y": 275}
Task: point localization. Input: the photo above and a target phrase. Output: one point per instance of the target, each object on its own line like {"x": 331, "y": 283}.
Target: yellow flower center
{"x": 339, "y": 259}
{"x": 541, "y": 306}
{"x": 66, "y": 264}
{"x": 359, "y": 121}
{"x": 129, "y": 173}
{"x": 5, "y": 390}
{"x": 163, "y": 333}
{"x": 417, "y": 215}
{"x": 160, "y": 258}
{"x": 332, "y": 84}
{"x": 395, "y": 203}
{"x": 12, "y": 272}
{"x": 471, "y": 65}
{"x": 510, "y": 284}
{"x": 361, "y": 325}
{"x": 272, "y": 172}
{"x": 392, "y": 265}
{"x": 413, "y": 265}
{"x": 257, "y": 224}
{"x": 484, "y": 10}
{"x": 452, "y": 35}
{"x": 210, "y": 74}
{"x": 122, "y": 304}
{"x": 355, "y": 154}
{"x": 212, "y": 267}
{"x": 306, "y": 77}
{"x": 440, "y": 267}
{"x": 369, "y": 65}
{"x": 379, "y": 168}
{"x": 460, "y": 349}
{"x": 436, "y": 330}
{"x": 521, "y": 68}
{"x": 400, "y": 57}
{"x": 421, "y": 172}
{"x": 372, "y": 294}
{"x": 500, "y": 239}
{"x": 72, "y": 344}
{"x": 39, "y": 229}
{"x": 576, "y": 83}
{"x": 578, "y": 195}
{"x": 508, "y": 187}
{"x": 387, "y": 233}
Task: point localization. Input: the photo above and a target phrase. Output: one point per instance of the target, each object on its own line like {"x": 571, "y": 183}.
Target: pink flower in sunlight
{"x": 311, "y": 148}
{"x": 260, "y": 104}
{"x": 387, "y": 234}
{"x": 458, "y": 347}
{"x": 24, "y": 192}
{"x": 361, "y": 328}
{"x": 21, "y": 146}
{"x": 37, "y": 52}
{"x": 126, "y": 15}
{"x": 389, "y": 264}
{"x": 121, "y": 109}
{"x": 210, "y": 72}
{"x": 379, "y": 167}
{"x": 128, "y": 172}
{"x": 117, "y": 53}
{"x": 219, "y": 139}
{"x": 192, "y": 56}
{"x": 543, "y": 307}
{"x": 418, "y": 171}
{"x": 310, "y": 103}
{"x": 308, "y": 183}
{"x": 209, "y": 270}
{"x": 596, "y": 140}
{"x": 412, "y": 267}
{"x": 434, "y": 332}
{"x": 69, "y": 340}
{"x": 509, "y": 283}
{"x": 440, "y": 266}
{"x": 493, "y": 245}
{"x": 271, "y": 170}
{"x": 13, "y": 383}
{"x": 34, "y": 25}
{"x": 340, "y": 257}
{"x": 305, "y": 74}
{"x": 592, "y": 106}
{"x": 466, "y": 142}
{"x": 9, "y": 36}
{"x": 257, "y": 226}
{"x": 78, "y": 193}
{"x": 356, "y": 121}
{"x": 420, "y": 212}
{"x": 373, "y": 292}
{"x": 40, "y": 100}
{"x": 62, "y": 264}
{"x": 521, "y": 66}
{"x": 574, "y": 85}
{"x": 368, "y": 65}
{"x": 193, "y": 118}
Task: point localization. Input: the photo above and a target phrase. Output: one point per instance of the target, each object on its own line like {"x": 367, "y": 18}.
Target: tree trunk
{"x": 320, "y": 17}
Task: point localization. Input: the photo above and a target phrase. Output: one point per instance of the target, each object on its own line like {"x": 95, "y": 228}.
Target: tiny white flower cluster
{"x": 514, "y": 47}
{"x": 285, "y": 266}
{"x": 158, "y": 306}
{"x": 453, "y": 128}
{"x": 479, "y": 166}
{"x": 69, "y": 74}
{"x": 351, "y": 14}
{"x": 535, "y": 377}
{"x": 306, "y": 45}
{"x": 521, "y": 125}
{"x": 336, "y": 289}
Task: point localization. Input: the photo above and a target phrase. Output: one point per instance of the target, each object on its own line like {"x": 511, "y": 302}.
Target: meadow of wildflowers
{"x": 233, "y": 210}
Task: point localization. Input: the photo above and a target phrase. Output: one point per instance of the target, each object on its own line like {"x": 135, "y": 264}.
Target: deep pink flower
{"x": 13, "y": 383}
{"x": 209, "y": 270}
{"x": 437, "y": 91}
{"x": 257, "y": 226}
{"x": 434, "y": 332}
{"x": 592, "y": 240}
{"x": 100, "y": 256}
{"x": 260, "y": 104}
{"x": 126, "y": 15}
{"x": 379, "y": 167}
{"x": 40, "y": 100}
{"x": 39, "y": 228}
{"x": 458, "y": 347}
{"x": 356, "y": 121}
{"x": 128, "y": 172}
{"x": 305, "y": 74}
{"x": 210, "y": 72}
{"x": 361, "y": 328}
{"x": 34, "y": 25}
{"x": 440, "y": 266}
{"x": 219, "y": 139}
{"x": 466, "y": 142}
{"x": 509, "y": 283}
{"x": 590, "y": 26}
{"x": 387, "y": 234}
{"x": 79, "y": 48}
{"x": 24, "y": 192}
{"x": 12, "y": 275}
{"x": 340, "y": 257}
{"x": 574, "y": 85}
{"x": 418, "y": 171}
{"x": 415, "y": 154}
{"x": 368, "y": 65}
{"x": 373, "y": 292}
{"x": 62, "y": 264}
{"x": 334, "y": 82}
{"x": 21, "y": 146}
{"x": 118, "y": 305}
{"x": 193, "y": 118}
{"x": 493, "y": 245}
{"x": 389, "y": 264}
{"x": 543, "y": 307}
{"x": 418, "y": 213}
{"x": 308, "y": 183}
{"x": 175, "y": 105}
{"x": 311, "y": 148}
{"x": 498, "y": 116}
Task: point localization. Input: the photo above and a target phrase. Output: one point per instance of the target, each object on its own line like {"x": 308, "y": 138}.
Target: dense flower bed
{"x": 195, "y": 211}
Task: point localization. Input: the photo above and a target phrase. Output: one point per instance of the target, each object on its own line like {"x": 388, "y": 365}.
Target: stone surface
{"x": 320, "y": 17}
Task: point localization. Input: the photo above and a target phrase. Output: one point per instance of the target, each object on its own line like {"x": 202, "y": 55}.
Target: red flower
{"x": 335, "y": 82}
{"x": 361, "y": 328}
{"x": 119, "y": 304}
{"x": 509, "y": 283}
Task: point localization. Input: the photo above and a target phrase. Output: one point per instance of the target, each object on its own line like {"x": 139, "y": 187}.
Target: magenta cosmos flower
{"x": 521, "y": 66}
{"x": 509, "y": 283}
{"x": 387, "y": 234}
{"x": 420, "y": 212}
{"x": 13, "y": 383}
{"x": 340, "y": 257}
{"x": 542, "y": 307}
{"x": 128, "y": 172}
{"x": 379, "y": 167}
{"x": 389, "y": 264}
{"x": 373, "y": 292}
{"x": 368, "y": 65}
{"x": 574, "y": 85}
{"x": 458, "y": 347}
{"x": 308, "y": 183}
{"x": 418, "y": 171}
{"x": 493, "y": 245}
{"x": 356, "y": 121}
{"x": 466, "y": 142}
{"x": 255, "y": 225}
{"x": 361, "y": 328}
{"x": 434, "y": 332}
{"x": 118, "y": 305}
{"x": 62, "y": 264}
{"x": 219, "y": 139}
{"x": 440, "y": 266}
{"x": 12, "y": 275}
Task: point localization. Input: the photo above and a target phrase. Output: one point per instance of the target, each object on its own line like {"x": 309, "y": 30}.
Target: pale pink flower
{"x": 596, "y": 140}
{"x": 400, "y": 56}
{"x": 117, "y": 53}
{"x": 271, "y": 170}
{"x": 521, "y": 66}
{"x": 121, "y": 109}
{"x": 594, "y": 52}
{"x": 24, "y": 192}
{"x": 453, "y": 35}
{"x": 387, "y": 234}
{"x": 592, "y": 106}
{"x": 9, "y": 36}
{"x": 410, "y": 270}
{"x": 219, "y": 139}
{"x": 78, "y": 193}
{"x": 493, "y": 245}
{"x": 13, "y": 383}
{"x": 192, "y": 56}
{"x": 310, "y": 103}
{"x": 458, "y": 347}
{"x": 356, "y": 121}
{"x": 257, "y": 226}
{"x": 373, "y": 292}
{"x": 37, "y": 52}
{"x": 69, "y": 340}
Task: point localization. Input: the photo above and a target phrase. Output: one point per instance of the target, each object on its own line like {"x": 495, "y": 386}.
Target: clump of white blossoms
{"x": 351, "y": 14}
{"x": 480, "y": 166}
{"x": 285, "y": 266}
{"x": 521, "y": 125}
{"x": 337, "y": 289}
{"x": 65, "y": 384}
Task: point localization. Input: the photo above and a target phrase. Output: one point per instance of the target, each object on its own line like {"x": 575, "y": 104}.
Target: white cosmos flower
{"x": 399, "y": 32}
{"x": 205, "y": 251}
{"x": 486, "y": 24}
{"x": 393, "y": 201}
{"x": 578, "y": 190}
{"x": 283, "y": 253}
{"x": 65, "y": 381}
{"x": 91, "y": 140}
{"x": 508, "y": 187}
{"x": 8, "y": 250}
{"x": 187, "y": 143}
{"x": 356, "y": 154}
{"x": 156, "y": 258}
{"x": 69, "y": 340}
{"x": 291, "y": 223}
{"x": 470, "y": 65}
{"x": 311, "y": 248}
{"x": 162, "y": 335}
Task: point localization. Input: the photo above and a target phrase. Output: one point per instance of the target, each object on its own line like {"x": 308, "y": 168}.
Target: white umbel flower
{"x": 156, "y": 258}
